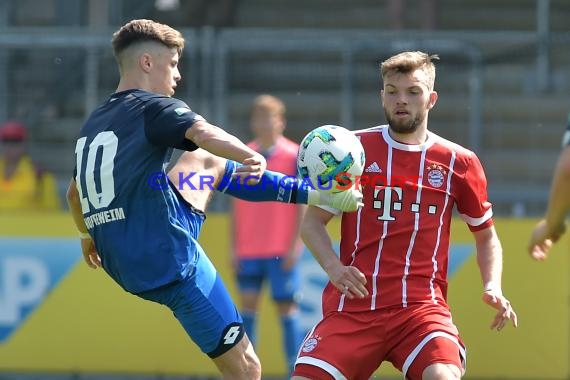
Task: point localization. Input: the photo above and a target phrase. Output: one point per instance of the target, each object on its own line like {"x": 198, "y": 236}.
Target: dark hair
{"x": 142, "y": 30}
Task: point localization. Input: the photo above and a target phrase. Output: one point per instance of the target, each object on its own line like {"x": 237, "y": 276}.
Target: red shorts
{"x": 352, "y": 345}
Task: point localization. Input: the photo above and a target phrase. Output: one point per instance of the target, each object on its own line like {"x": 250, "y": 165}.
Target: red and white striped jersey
{"x": 400, "y": 238}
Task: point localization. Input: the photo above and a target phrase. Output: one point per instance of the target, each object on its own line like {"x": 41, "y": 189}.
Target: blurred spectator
{"x": 23, "y": 184}
{"x": 396, "y": 12}
{"x": 266, "y": 238}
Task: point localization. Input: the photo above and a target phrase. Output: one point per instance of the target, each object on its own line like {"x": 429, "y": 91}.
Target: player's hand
{"x": 505, "y": 311}
{"x": 251, "y": 170}
{"x": 349, "y": 280}
{"x": 541, "y": 240}
{"x": 347, "y": 201}
{"x": 90, "y": 254}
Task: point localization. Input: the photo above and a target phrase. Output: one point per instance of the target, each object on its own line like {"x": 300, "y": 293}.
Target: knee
{"x": 441, "y": 372}
{"x": 252, "y": 366}
{"x": 248, "y": 368}
{"x": 240, "y": 363}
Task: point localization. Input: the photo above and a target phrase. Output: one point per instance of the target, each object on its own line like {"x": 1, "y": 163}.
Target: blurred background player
{"x": 23, "y": 184}
{"x": 269, "y": 251}
{"x": 553, "y": 225}
{"x": 387, "y": 295}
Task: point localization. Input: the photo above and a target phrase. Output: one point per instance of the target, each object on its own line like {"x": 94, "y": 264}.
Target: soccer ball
{"x": 330, "y": 158}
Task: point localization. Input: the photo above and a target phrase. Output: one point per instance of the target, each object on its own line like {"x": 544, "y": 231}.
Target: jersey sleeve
{"x": 166, "y": 121}
{"x": 472, "y": 203}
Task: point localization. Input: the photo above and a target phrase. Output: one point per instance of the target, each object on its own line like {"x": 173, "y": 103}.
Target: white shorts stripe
{"x": 410, "y": 359}
{"x": 329, "y": 368}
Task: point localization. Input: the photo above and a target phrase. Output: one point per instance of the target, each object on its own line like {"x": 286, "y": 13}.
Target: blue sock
{"x": 273, "y": 186}
{"x": 292, "y": 338}
{"x": 250, "y": 325}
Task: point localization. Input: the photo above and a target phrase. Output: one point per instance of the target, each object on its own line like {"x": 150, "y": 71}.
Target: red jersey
{"x": 399, "y": 239}
{"x": 267, "y": 229}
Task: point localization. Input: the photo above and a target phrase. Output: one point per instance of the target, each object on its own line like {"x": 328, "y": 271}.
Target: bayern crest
{"x": 436, "y": 175}
{"x": 311, "y": 343}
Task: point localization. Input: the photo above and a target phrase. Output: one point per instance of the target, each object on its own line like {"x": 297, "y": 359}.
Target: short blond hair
{"x": 409, "y": 61}
{"x": 142, "y": 30}
{"x": 268, "y": 103}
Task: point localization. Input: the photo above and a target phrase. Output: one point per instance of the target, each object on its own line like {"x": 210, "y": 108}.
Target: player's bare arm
{"x": 203, "y": 170}
{"x": 294, "y": 252}
{"x": 197, "y": 173}
{"x": 549, "y": 229}
{"x": 217, "y": 141}
{"x": 87, "y": 246}
{"x": 490, "y": 261}
{"x": 347, "y": 279}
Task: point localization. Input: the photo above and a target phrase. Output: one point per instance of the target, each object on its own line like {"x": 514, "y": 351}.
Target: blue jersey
{"x": 143, "y": 231}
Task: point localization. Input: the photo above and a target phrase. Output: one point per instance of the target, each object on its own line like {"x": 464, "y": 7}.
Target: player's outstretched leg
{"x": 195, "y": 176}
{"x": 240, "y": 362}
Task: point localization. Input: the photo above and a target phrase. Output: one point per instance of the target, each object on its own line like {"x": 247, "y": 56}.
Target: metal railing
{"x": 207, "y": 60}
{"x": 346, "y": 44}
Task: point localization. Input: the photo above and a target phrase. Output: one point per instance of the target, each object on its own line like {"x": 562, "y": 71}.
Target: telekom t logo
{"x": 385, "y": 203}
{"x": 390, "y": 198}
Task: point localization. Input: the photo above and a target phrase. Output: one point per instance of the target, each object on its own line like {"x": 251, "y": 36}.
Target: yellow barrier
{"x": 87, "y": 323}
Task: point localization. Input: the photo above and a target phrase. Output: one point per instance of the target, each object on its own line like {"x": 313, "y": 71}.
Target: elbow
{"x": 313, "y": 224}
{"x": 306, "y": 229}
{"x": 199, "y": 139}
{"x": 72, "y": 194}
{"x": 200, "y": 133}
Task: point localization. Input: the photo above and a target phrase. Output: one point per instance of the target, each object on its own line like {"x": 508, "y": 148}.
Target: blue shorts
{"x": 285, "y": 285}
{"x": 204, "y": 308}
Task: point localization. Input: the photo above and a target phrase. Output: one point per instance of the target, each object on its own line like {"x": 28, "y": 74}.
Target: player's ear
{"x": 145, "y": 62}
{"x": 382, "y": 97}
{"x": 432, "y": 100}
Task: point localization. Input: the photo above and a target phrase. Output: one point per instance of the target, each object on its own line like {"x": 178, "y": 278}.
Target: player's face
{"x": 164, "y": 74}
{"x": 266, "y": 124}
{"x": 407, "y": 99}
